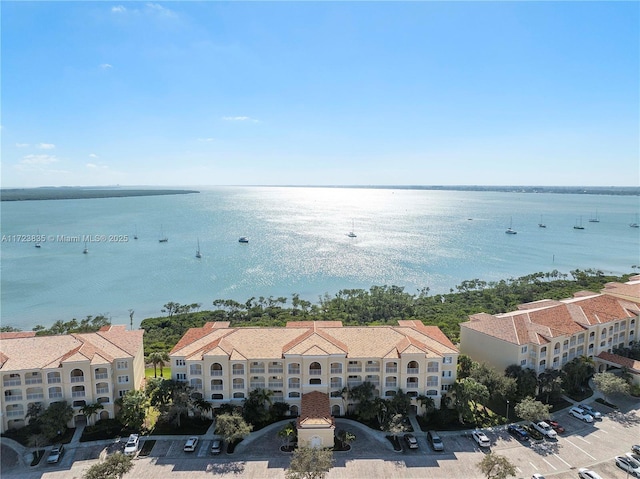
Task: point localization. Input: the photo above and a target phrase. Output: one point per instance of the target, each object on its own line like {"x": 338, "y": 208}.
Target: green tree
{"x": 255, "y": 408}
{"x": 232, "y": 427}
{"x": 158, "y": 358}
{"x": 531, "y": 410}
{"x": 465, "y": 364}
{"x": 526, "y": 380}
{"x": 494, "y": 466}
{"x": 88, "y": 410}
{"x": 287, "y": 433}
{"x": 470, "y": 394}
{"x": 54, "y": 419}
{"x": 133, "y": 409}
{"x": 576, "y": 372}
{"x": 498, "y": 385}
{"x": 309, "y": 463}
{"x": 550, "y": 383}
{"x": 609, "y": 384}
{"x": 345, "y": 437}
{"x": 113, "y": 467}
{"x": 397, "y": 425}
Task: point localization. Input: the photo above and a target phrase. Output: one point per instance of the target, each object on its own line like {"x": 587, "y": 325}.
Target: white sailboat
{"x": 198, "y": 254}
{"x": 85, "y": 250}
{"x": 541, "y": 224}
{"x": 594, "y": 219}
{"x": 351, "y": 233}
{"x": 636, "y": 224}
{"x": 135, "y": 234}
{"x": 510, "y": 230}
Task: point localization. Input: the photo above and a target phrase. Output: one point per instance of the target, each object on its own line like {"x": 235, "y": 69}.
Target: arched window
{"x": 216, "y": 369}
{"x": 315, "y": 369}
{"x": 413, "y": 367}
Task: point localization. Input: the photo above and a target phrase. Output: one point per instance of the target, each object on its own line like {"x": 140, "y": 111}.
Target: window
{"x": 180, "y": 362}
{"x": 181, "y": 376}
{"x": 122, "y": 364}
{"x": 123, "y": 379}
{"x": 446, "y": 387}
{"x": 447, "y": 360}
{"x": 523, "y": 349}
{"x": 123, "y": 392}
{"x": 446, "y": 374}
{"x": 523, "y": 362}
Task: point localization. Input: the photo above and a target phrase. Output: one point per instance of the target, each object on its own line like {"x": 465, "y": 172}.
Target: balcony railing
{"x": 353, "y": 383}
{"x": 432, "y": 383}
{"x": 102, "y": 375}
{"x": 412, "y": 386}
{"x": 13, "y": 398}
{"x": 15, "y": 413}
{"x": 276, "y": 370}
{"x": 256, "y": 385}
{"x": 55, "y": 380}
{"x": 413, "y": 370}
{"x": 354, "y": 369}
{"x": 256, "y": 370}
{"x": 372, "y": 369}
{"x": 216, "y": 372}
{"x": 336, "y": 385}
{"x": 195, "y": 372}
{"x": 315, "y": 372}
{"x": 197, "y": 387}
{"x": 391, "y": 385}
{"x": 77, "y": 379}
{"x": 78, "y": 394}
{"x": 238, "y": 386}
{"x": 238, "y": 372}
{"x": 391, "y": 370}
{"x": 294, "y": 385}
{"x": 11, "y": 382}
{"x": 295, "y": 370}
{"x": 336, "y": 370}
{"x": 35, "y": 396}
{"x": 432, "y": 370}
{"x": 33, "y": 381}
{"x": 217, "y": 387}
{"x": 55, "y": 395}
{"x": 276, "y": 384}
{"x": 102, "y": 390}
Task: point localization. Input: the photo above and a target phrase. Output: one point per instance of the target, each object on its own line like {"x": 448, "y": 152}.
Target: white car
{"x": 545, "y": 429}
{"x": 627, "y": 463}
{"x": 580, "y": 414}
{"x": 481, "y": 438}
{"x": 585, "y": 473}
{"x": 131, "y": 447}
{"x": 191, "y": 444}
{"x": 537, "y": 476}
{"x": 591, "y": 411}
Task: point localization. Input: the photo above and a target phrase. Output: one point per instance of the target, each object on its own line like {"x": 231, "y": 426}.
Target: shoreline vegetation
{"x": 88, "y": 192}
{"x": 380, "y": 305}
{"x": 81, "y": 193}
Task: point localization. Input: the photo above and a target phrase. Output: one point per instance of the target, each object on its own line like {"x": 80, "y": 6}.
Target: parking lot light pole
{"x": 507, "y": 410}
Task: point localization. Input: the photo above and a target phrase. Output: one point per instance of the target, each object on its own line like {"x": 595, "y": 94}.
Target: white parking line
{"x": 602, "y": 430}
{"x": 534, "y": 466}
{"x": 578, "y": 437}
{"x": 569, "y": 465}
{"x": 578, "y": 447}
{"x": 554, "y": 467}
{"x": 519, "y": 470}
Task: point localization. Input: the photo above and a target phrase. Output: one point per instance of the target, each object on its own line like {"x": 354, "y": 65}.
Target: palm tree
{"x": 88, "y": 410}
{"x": 158, "y": 358}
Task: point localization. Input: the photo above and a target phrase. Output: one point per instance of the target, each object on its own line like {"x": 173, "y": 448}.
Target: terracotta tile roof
{"x": 17, "y": 334}
{"x": 42, "y": 352}
{"x": 307, "y": 337}
{"x": 315, "y": 410}
{"x": 193, "y": 334}
{"x": 540, "y": 321}
{"x": 620, "y": 360}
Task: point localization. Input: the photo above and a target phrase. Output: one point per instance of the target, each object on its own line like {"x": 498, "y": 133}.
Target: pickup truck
{"x": 545, "y": 429}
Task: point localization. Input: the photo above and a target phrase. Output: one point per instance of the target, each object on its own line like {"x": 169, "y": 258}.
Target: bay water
{"x": 298, "y": 243}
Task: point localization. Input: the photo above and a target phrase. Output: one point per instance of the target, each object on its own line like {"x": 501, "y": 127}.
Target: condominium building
{"x": 224, "y": 364}
{"x": 548, "y": 333}
{"x": 80, "y": 369}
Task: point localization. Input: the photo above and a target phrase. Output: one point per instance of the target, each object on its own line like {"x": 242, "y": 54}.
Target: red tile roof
{"x": 315, "y": 410}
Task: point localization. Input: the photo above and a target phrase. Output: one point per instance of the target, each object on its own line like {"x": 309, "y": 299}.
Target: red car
{"x": 556, "y": 426}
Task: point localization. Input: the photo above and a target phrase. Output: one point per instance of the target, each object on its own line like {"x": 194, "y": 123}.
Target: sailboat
{"x": 578, "y": 226}
{"x": 38, "y": 245}
{"x": 541, "y": 224}
{"x": 510, "y": 230}
{"x": 85, "y": 250}
{"x": 198, "y": 254}
{"x": 163, "y": 238}
{"x": 594, "y": 219}
{"x": 135, "y": 234}
{"x": 351, "y": 234}
{"x": 636, "y": 224}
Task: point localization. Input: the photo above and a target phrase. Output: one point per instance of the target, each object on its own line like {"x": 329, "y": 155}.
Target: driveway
{"x": 372, "y": 457}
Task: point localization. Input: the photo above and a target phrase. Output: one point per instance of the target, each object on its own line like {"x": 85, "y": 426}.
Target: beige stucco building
{"x": 548, "y": 333}
{"x": 224, "y": 363}
{"x": 77, "y": 368}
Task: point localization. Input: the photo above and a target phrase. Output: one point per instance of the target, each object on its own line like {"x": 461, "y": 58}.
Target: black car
{"x": 518, "y": 432}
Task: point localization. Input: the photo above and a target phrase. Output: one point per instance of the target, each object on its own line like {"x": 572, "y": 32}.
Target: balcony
{"x": 256, "y": 385}
{"x": 13, "y": 398}
{"x": 55, "y": 395}
{"x": 391, "y": 370}
{"x": 335, "y": 385}
{"x": 276, "y": 370}
{"x": 413, "y": 370}
{"x": 432, "y": 384}
{"x": 217, "y": 387}
{"x": 101, "y": 376}
{"x": 78, "y": 394}
{"x": 77, "y": 379}
{"x": 276, "y": 384}
{"x": 256, "y": 370}
{"x": 33, "y": 381}
{"x": 353, "y": 383}
{"x": 18, "y": 413}
{"x": 432, "y": 370}
{"x": 336, "y": 370}
{"x": 238, "y": 372}
{"x": 54, "y": 380}
{"x": 35, "y": 396}
{"x": 354, "y": 369}
{"x": 216, "y": 372}
{"x": 372, "y": 369}
{"x": 412, "y": 386}
{"x": 296, "y": 370}
{"x": 238, "y": 386}
{"x": 12, "y": 382}
{"x": 315, "y": 372}
{"x": 102, "y": 390}
{"x": 393, "y": 384}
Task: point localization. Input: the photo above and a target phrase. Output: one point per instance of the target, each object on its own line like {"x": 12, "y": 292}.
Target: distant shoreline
{"x": 80, "y": 193}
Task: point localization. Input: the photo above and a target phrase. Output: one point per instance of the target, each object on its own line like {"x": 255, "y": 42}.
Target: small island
{"x": 79, "y": 193}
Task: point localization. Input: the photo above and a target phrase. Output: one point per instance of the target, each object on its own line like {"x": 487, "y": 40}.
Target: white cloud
{"x": 94, "y": 166}
{"x": 239, "y": 118}
{"x": 93, "y": 155}
{"x": 118, "y": 9}
{"x": 160, "y": 9}
{"x": 45, "y": 146}
{"x": 22, "y": 145}
{"x": 105, "y": 66}
{"x": 38, "y": 160}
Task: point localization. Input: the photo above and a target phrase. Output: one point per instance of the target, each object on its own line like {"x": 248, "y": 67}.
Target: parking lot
{"x": 582, "y": 445}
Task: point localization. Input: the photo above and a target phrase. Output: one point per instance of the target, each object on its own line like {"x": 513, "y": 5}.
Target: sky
{"x": 320, "y": 93}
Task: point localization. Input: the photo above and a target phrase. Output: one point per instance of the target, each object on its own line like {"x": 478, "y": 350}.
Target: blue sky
{"x": 334, "y": 93}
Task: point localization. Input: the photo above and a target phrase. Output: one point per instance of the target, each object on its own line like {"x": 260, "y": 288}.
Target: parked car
{"x": 533, "y": 432}
{"x": 636, "y": 448}
{"x": 56, "y": 454}
{"x": 555, "y": 425}
{"x": 545, "y": 429}
{"x": 411, "y": 441}
{"x": 537, "y": 476}
{"x": 629, "y": 465}
{"x": 216, "y": 446}
{"x": 589, "y": 410}
{"x": 435, "y": 441}
{"x": 131, "y": 447}
{"x": 580, "y": 414}
{"x": 585, "y": 473}
{"x": 518, "y": 432}
{"x": 191, "y": 444}
{"x": 481, "y": 438}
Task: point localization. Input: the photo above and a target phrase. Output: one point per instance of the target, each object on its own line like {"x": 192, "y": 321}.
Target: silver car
{"x": 56, "y": 454}
{"x": 589, "y": 410}
{"x": 580, "y": 414}
{"x": 585, "y": 473}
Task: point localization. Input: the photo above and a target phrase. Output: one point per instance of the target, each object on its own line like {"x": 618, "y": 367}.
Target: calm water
{"x": 298, "y": 244}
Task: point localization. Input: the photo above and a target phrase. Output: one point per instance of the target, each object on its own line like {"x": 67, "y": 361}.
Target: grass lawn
{"x": 166, "y": 373}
